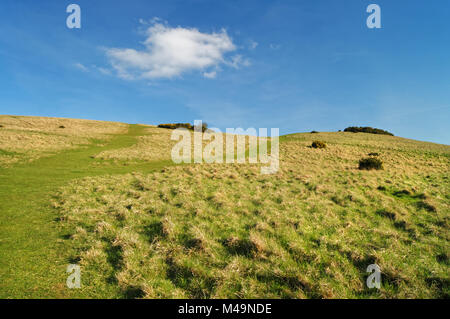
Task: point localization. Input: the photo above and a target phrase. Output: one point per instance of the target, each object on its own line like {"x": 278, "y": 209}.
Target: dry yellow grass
{"x": 225, "y": 230}
{"x": 156, "y": 145}
{"x": 25, "y": 138}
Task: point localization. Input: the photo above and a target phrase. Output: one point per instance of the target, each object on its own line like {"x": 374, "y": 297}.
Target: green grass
{"x": 140, "y": 228}
{"x": 3, "y": 152}
{"x": 31, "y": 263}
{"x": 308, "y": 231}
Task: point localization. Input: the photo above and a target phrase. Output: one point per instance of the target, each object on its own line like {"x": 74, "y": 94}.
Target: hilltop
{"x": 107, "y": 197}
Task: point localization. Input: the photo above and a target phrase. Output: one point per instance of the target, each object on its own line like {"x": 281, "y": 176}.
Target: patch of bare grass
{"x": 28, "y": 138}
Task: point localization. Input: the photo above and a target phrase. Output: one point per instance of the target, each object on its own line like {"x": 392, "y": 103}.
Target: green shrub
{"x": 370, "y": 163}
{"x": 318, "y": 144}
{"x": 174, "y": 126}
{"x": 204, "y": 127}
{"x": 367, "y": 129}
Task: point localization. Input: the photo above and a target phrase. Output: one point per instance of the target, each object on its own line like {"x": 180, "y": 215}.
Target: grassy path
{"x": 31, "y": 262}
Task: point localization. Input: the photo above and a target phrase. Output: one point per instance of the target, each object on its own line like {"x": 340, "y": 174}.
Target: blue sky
{"x": 296, "y": 65}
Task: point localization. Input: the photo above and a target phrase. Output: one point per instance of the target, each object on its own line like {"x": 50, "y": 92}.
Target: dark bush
{"x": 318, "y": 144}
{"x": 62, "y": 126}
{"x": 374, "y": 154}
{"x": 173, "y": 126}
{"x": 370, "y": 163}
{"x": 367, "y": 129}
{"x": 204, "y": 127}
{"x": 313, "y": 132}
{"x": 1, "y": 125}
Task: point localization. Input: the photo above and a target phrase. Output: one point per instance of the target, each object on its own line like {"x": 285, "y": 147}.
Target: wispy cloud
{"x": 93, "y": 68}
{"x": 103, "y": 71}
{"x": 169, "y": 52}
{"x": 210, "y": 75}
{"x": 81, "y": 67}
{"x": 252, "y": 45}
{"x": 237, "y": 61}
{"x": 274, "y": 46}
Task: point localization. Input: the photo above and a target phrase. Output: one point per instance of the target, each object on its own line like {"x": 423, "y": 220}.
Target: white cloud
{"x": 93, "y": 68}
{"x": 237, "y": 61}
{"x": 210, "y": 75}
{"x": 81, "y": 67}
{"x": 170, "y": 52}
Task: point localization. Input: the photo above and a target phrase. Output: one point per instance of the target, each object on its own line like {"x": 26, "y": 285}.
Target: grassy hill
{"x": 107, "y": 197}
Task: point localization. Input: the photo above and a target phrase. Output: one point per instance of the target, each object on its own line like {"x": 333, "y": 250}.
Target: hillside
{"x": 107, "y": 197}
{"x": 25, "y": 138}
